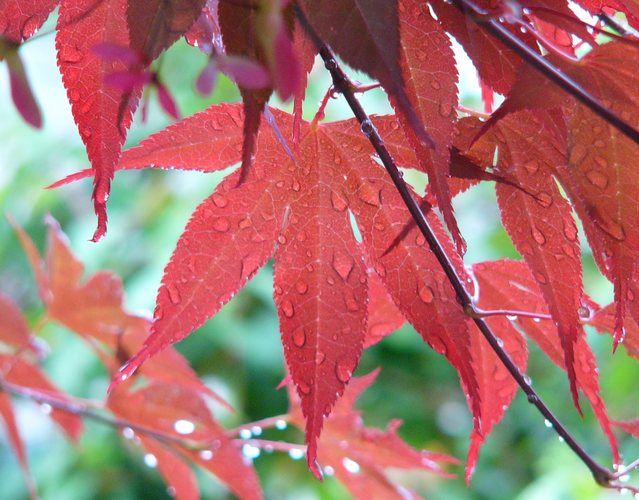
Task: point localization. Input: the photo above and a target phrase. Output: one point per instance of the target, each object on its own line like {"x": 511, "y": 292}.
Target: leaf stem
{"x": 541, "y": 64}
{"x": 602, "y": 475}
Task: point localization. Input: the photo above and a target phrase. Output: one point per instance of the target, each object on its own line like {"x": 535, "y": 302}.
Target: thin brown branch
{"x": 341, "y": 83}
{"x": 541, "y": 64}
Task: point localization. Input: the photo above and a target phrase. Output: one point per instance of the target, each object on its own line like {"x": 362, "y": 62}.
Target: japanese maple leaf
{"x": 103, "y": 112}
{"x": 298, "y": 208}
{"x": 359, "y": 456}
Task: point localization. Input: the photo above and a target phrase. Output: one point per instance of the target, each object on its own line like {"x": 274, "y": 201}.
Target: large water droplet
{"x": 538, "y": 236}
{"x": 281, "y": 239}
{"x": 425, "y": 293}
{"x": 597, "y": 179}
{"x": 220, "y": 200}
{"x": 338, "y": 202}
{"x": 344, "y": 370}
{"x": 610, "y": 226}
{"x": 245, "y": 223}
{"x": 541, "y": 278}
{"x": 319, "y": 357}
{"x": 221, "y": 224}
{"x": 349, "y": 301}
{"x": 288, "y": 309}
{"x": 343, "y": 264}
{"x": 532, "y": 167}
{"x": 304, "y": 388}
{"x": 301, "y": 287}
{"x": 544, "y": 199}
{"x": 369, "y": 194}
{"x": 570, "y": 230}
{"x": 174, "y": 294}
{"x": 435, "y": 84}
{"x": 299, "y": 337}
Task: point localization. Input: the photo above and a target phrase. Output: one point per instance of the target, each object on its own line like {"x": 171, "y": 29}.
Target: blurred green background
{"x": 238, "y": 352}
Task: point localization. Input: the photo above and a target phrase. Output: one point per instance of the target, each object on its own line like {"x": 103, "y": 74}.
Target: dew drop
{"x": 206, "y": 455}
{"x": 150, "y": 460}
{"x": 281, "y": 239}
{"x": 610, "y": 226}
{"x": 435, "y": 84}
{"x": 568, "y": 250}
{"x": 538, "y": 236}
{"x": 367, "y": 128}
{"x": 281, "y": 424}
{"x": 630, "y": 295}
{"x": 543, "y": 199}
{"x": 541, "y": 278}
{"x": 570, "y": 230}
{"x": 532, "y": 167}
{"x": 547, "y": 423}
{"x": 420, "y": 240}
{"x": 288, "y": 309}
{"x": 174, "y": 294}
{"x": 70, "y": 54}
{"x": 183, "y": 427}
{"x": 127, "y": 433}
{"x": 296, "y": 454}
{"x": 221, "y": 224}
{"x": 296, "y": 186}
{"x": 349, "y": 301}
{"x": 245, "y": 223}
{"x": 369, "y": 194}
{"x": 394, "y": 125}
{"x": 597, "y": 179}
{"x": 246, "y": 434}
{"x": 578, "y": 154}
{"x": 338, "y": 202}
{"x": 425, "y": 293}
{"x": 86, "y": 132}
{"x": 350, "y": 465}
{"x": 526, "y": 249}
{"x": 344, "y": 370}
{"x": 304, "y": 388}
{"x": 30, "y": 27}
{"x": 445, "y": 109}
{"x": 319, "y": 357}
{"x": 299, "y": 338}
{"x": 380, "y": 270}
{"x": 301, "y": 287}
{"x": 220, "y": 200}
{"x": 343, "y": 264}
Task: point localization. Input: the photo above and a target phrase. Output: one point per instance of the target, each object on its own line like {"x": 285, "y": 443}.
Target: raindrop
{"x": 281, "y": 239}
{"x": 343, "y": 264}
{"x": 570, "y": 230}
{"x": 220, "y": 200}
{"x": 543, "y": 199}
{"x": 301, "y": 287}
{"x": 288, "y": 309}
{"x": 532, "y": 167}
{"x": 296, "y": 453}
{"x": 74, "y": 95}
{"x": 445, "y": 109}
{"x": 329, "y": 471}
{"x": 304, "y": 388}
{"x": 367, "y": 128}
{"x": 537, "y": 320}
{"x": 630, "y": 295}
{"x": 245, "y": 434}
{"x": 319, "y": 357}
{"x": 369, "y": 194}
{"x": 350, "y": 465}
{"x": 46, "y": 408}
{"x": 221, "y": 224}
{"x": 420, "y": 240}
{"x": 245, "y": 223}
{"x": 281, "y": 424}
{"x": 597, "y": 179}
{"x": 395, "y": 125}
{"x": 425, "y": 293}
{"x": 174, "y": 294}
{"x": 256, "y": 430}
{"x": 250, "y": 451}
{"x": 150, "y": 460}
{"x": 183, "y": 427}
{"x": 541, "y": 278}
{"x": 338, "y": 202}
{"x": 538, "y": 236}
{"x": 30, "y": 27}
{"x": 127, "y": 433}
{"x": 547, "y": 423}
{"x": 350, "y": 302}
{"x": 344, "y": 370}
{"x": 206, "y": 454}
{"x": 299, "y": 338}
{"x": 435, "y": 84}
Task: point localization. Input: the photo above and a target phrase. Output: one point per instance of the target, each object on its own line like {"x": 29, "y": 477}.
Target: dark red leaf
{"x": 21, "y": 92}
{"x": 21, "y": 19}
